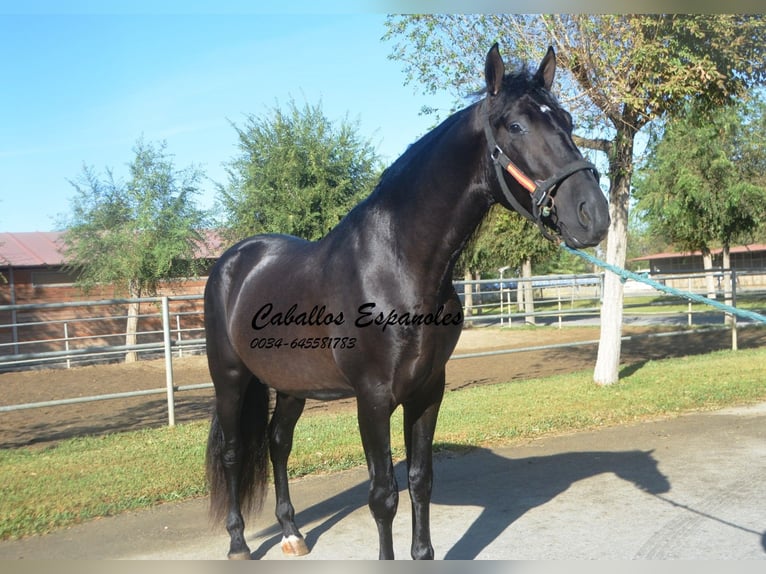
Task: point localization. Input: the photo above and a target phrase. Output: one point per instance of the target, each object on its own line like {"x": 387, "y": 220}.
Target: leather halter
{"x": 542, "y": 191}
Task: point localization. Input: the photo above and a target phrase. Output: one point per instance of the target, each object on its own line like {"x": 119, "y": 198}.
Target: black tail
{"x": 254, "y": 469}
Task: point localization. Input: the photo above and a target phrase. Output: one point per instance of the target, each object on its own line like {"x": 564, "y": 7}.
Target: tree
{"x": 297, "y": 173}
{"x": 703, "y": 182}
{"x": 507, "y": 239}
{"x": 642, "y": 240}
{"x": 137, "y": 233}
{"x": 504, "y": 238}
{"x": 621, "y": 73}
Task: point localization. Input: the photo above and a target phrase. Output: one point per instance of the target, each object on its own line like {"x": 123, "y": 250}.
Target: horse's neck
{"x": 437, "y": 201}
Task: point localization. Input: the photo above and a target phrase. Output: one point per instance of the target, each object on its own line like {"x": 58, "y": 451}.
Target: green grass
{"x": 84, "y": 478}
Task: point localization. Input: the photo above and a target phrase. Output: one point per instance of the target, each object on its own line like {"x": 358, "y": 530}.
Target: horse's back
{"x": 243, "y": 260}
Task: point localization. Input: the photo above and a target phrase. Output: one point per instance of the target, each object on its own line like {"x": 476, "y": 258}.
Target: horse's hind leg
{"x": 237, "y": 452}
{"x": 237, "y": 457}
{"x": 233, "y": 461}
{"x": 286, "y": 413}
{"x": 225, "y": 446}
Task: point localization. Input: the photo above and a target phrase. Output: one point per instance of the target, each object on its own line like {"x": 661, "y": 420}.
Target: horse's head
{"x": 539, "y": 171}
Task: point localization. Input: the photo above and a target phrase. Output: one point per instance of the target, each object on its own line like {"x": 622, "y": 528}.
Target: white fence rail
{"x": 511, "y": 301}
{"x": 557, "y": 299}
{"x": 561, "y": 298}
{"x": 100, "y": 326}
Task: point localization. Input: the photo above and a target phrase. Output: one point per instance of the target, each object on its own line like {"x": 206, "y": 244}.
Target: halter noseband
{"x": 542, "y": 191}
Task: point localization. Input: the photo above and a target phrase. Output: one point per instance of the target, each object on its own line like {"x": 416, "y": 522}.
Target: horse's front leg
{"x": 419, "y": 427}
{"x": 375, "y": 430}
{"x": 287, "y": 411}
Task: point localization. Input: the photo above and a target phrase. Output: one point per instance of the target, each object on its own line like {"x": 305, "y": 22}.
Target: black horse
{"x": 369, "y": 311}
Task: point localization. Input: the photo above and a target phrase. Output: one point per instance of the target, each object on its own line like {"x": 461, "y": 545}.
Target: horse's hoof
{"x": 294, "y": 546}
{"x": 239, "y": 555}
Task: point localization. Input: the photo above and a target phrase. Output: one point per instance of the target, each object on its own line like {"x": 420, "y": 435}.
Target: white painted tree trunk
{"x": 468, "y": 295}
{"x": 131, "y": 326}
{"x": 610, "y": 342}
{"x": 728, "y": 293}
{"x": 529, "y": 297}
{"x": 707, "y": 265}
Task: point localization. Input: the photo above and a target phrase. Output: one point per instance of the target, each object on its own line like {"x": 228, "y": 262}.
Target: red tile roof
{"x": 43, "y": 248}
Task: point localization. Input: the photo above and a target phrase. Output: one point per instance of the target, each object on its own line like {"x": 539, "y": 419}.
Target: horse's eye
{"x": 516, "y": 128}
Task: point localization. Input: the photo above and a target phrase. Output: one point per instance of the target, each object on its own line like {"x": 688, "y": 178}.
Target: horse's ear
{"x": 547, "y": 69}
{"x": 494, "y": 69}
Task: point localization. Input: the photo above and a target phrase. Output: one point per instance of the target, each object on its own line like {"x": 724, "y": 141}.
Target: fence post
{"x": 734, "y": 343}
{"x": 168, "y": 360}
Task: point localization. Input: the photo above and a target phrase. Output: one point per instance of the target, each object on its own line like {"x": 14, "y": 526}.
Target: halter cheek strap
{"x": 541, "y": 191}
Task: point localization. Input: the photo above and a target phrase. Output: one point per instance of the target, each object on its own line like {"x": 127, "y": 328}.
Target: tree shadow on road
{"x": 505, "y": 489}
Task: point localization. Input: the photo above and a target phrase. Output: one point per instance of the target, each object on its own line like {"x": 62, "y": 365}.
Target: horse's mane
{"x": 517, "y": 82}
{"x": 417, "y": 148}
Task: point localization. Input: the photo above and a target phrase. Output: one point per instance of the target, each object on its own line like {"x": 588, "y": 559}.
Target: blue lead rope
{"x": 624, "y": 275}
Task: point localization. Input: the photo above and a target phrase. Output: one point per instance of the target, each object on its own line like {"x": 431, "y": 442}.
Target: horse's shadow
{"x": 505, "y": 489}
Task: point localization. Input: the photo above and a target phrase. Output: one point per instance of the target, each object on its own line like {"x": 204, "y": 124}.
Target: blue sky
{"x": 83, "y": 80}
{"x": 83, "y": 88}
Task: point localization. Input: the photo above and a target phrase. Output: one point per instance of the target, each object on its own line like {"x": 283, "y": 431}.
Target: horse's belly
{"x": 299, "y": 362}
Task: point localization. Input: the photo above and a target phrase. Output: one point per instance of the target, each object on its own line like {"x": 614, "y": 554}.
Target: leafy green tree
{"x": 702, "y": 186}
{"x": 297, "y": 173}
{"x": 619, "y": 73}
{"x": 134, "y": 234}
{"x": 642, "y": 240}
{"x": 505, "y": 239}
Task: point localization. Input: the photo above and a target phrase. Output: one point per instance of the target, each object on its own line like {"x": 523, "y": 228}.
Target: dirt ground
{"x": 41, "y": 426}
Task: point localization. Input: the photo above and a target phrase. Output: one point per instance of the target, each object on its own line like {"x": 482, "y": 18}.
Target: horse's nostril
{"x": 583, "y": 216}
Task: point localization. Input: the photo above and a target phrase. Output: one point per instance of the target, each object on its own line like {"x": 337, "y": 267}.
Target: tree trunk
{"x": 468, "y": 295}
{"x": 477, "y": 292}
{"x": 606, "y": 371}
{"x": 727, "y": 283}
{"x": 707, "y": 265}
{"x": 131, "y": 327}
{"x": 529, "y": 297}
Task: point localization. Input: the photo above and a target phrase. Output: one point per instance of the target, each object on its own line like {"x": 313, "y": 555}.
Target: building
{"x": 33, "y": 271}
{"x": 744, "y": 257}
{"x": 748, "y": 262}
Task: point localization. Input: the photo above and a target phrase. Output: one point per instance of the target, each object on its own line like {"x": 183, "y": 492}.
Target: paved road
{"x": 689, "y": 487}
